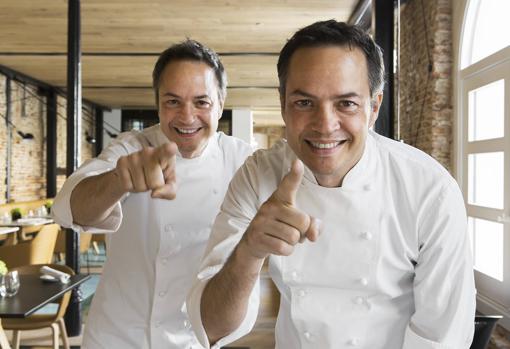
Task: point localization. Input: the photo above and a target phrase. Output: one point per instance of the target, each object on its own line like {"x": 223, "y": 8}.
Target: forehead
{"x": 328, "y": 67}
{"x": 188, "y": 76}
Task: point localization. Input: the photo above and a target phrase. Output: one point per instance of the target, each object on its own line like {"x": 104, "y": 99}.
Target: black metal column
{"x": 385, "y": 39}
{"x": 8, "y": 125}
{"x": 51, "y": 144}
{"x": 99, "y": 130}
{"x": 73, "y": 314}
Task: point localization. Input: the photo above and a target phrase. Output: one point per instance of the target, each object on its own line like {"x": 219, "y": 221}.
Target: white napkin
{"x": 61, "y": 276}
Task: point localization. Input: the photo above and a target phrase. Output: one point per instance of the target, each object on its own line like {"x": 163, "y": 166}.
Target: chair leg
{"x": 16, "y": 339}
{"x": 63, "y": 333}
{"x": 55, "y": 335}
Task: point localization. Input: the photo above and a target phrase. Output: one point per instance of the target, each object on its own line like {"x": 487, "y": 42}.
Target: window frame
{"x": 493, "y": 296}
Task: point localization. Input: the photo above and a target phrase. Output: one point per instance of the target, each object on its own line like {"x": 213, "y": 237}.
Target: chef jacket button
{"x": 366, "y": 235}
{"x": 307, "y": 335}
{"x": 367, "y": 187}
{"x": 354, "y": 342}
{"x": 168, "y": 228}
{"x": 294, "y": 275}
{"x": 157, "y": 324}
{"x": 164, "y": 261}
{"x": 162, "y": 293}
{"x": 363, "y": 281}
{"x": 215, "y": 191}
{"x": 187, "y": 324}
{"x": 302, "y": 293}
{"x": 358, "y": 300}
{"x": 177, "y": 248}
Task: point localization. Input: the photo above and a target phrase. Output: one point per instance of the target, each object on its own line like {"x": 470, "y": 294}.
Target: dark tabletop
{"x": 34, "y": 293}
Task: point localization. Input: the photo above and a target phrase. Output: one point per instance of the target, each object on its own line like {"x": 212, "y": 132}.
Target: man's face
{"x": 328, "y": 110}
{"x": 189, "y": 105}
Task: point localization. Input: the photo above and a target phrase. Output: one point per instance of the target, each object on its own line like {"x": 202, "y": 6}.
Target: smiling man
{"x": 366, "y": 237}
{"x": 159, "y": 190}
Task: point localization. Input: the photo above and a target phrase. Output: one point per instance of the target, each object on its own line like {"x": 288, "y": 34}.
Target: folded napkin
{"x": 59, "y": 275}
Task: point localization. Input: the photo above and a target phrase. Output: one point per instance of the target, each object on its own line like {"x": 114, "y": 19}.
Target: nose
{"x": 326, "y": 121}
{"x": 187, "y": 113}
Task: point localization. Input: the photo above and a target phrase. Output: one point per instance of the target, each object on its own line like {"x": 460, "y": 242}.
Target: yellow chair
{"x": 60, "y": 245}
{"x": 39, "y": 250}
{"x": 37, "y": 321}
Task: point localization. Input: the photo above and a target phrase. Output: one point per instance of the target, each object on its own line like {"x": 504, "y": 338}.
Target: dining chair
{"x": 38, "y": 321}
{"x": 38, "y": 250}
{"x": 483, "y": 330}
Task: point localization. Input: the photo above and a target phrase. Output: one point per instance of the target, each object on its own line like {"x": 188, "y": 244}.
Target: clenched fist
{"x": 278, "y": 226}
{"x": 149, "y": 169}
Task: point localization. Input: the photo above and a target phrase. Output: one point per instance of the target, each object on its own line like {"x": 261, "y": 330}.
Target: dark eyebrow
{"x": 170, "y": 94}
{"x": 306, "y": 94}
{"x": 202, "y": 96}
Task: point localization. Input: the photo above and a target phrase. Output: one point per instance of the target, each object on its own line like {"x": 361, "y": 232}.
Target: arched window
{"x": 486, "y": 30}
{"x": 484, "y": 146}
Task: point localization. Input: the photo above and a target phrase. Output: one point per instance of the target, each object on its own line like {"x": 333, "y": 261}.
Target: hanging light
{"x": 24, "y": 135}
{"x": 89, "y": 138}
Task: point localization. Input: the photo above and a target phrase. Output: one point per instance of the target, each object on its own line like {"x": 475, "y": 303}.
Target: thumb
{"x": 287, "y": 190}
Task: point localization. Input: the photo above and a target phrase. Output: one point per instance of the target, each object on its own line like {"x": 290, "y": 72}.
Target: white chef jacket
{"x": 154, "y": 255}
{"x": 391, "y": 269}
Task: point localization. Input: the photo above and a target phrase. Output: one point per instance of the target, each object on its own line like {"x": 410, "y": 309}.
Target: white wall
{"x": 242, "y": 124}
{"x": 113, "y": 118}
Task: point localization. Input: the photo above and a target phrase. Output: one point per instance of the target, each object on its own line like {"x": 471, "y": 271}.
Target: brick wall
{"x": 426, "y": 98}
{"x": 28, "y": 165}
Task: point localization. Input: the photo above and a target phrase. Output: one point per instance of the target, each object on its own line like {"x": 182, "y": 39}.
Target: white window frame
{"x": 493, "y": 296}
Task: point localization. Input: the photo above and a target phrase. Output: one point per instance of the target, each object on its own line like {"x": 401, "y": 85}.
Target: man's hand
{"x": 149, "y": 169}
{"x": 278, "y": 225}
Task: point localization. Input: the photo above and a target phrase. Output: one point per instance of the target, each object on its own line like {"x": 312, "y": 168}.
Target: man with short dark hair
{"x": 159, "y": 190}
{"x": 366, "y": 237}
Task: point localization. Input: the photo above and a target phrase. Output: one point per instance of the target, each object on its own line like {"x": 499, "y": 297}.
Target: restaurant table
{"x": 27, "y": 225}
{"x": 27, "y": 222}
{"x": 8, "y": 230}
{"x": 33, "y": 294}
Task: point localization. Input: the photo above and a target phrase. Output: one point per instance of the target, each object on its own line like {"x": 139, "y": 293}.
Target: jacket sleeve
{"x": 125, "y": 144}
{"x": 444, "y": 290}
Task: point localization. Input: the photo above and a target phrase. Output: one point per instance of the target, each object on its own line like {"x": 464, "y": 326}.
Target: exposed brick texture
{"x": 426, "y": 98}
{"x": 28, "y": 164}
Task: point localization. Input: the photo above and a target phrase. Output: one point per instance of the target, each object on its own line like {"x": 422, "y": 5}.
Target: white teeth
{"x": 324, "y": 145}
{"x": 187, "y": 130}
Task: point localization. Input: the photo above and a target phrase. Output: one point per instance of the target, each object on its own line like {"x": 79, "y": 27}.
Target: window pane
{"x": 486, "y": 31}
{"x": 486, "y": 111}
{"x": 486, "y": 179}
{"x": 488, "y": 246}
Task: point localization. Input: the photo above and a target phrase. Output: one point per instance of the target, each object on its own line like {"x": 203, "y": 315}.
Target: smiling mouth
{"x": 187, "y": 131}
{"x": 325, "y": 145}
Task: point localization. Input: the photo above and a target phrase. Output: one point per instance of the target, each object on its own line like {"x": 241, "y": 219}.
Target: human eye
{"x": 347, "y": 106}
{"x": 203, "y": 103}
{"x": 172, "y": 102}
{"x": 303, "y": 103}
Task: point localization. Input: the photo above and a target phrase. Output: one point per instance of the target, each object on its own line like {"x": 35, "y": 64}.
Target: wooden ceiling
{"x": 121, "y": 40}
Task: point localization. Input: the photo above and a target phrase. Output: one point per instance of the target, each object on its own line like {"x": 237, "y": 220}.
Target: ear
{"x": 282, "y": 107}
{"x": 220, "y": 109}
{"x": 374, "y": 109}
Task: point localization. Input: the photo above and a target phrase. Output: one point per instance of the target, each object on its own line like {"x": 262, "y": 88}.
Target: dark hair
{"x": 334, "y": 33}
{"x": 190, "y": 50}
